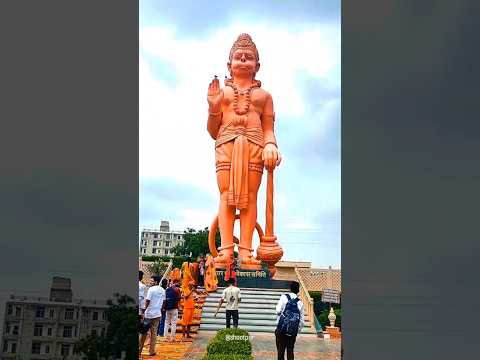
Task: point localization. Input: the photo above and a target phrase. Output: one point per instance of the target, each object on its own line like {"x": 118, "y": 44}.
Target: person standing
{"x": 290, "y": 321}
{"x": 161, "y": 327}
{"x": 173, "y": 297}
{"x": 142, "y": 290}
{"x": 189, "y": 300}
{"x": 231, "y": 270}
{"x": 232, "y": 296}
{"x": 154, "y": 301}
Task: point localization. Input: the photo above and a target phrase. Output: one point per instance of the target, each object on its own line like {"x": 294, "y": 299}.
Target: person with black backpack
{"x": 290, "y": 321}
{"x": 172, "y": 298}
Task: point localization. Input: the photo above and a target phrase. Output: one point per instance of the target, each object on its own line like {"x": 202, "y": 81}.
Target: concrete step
{"x": 248, "y": 296}
{"x": 252, "y": 328}
{"x": 261, "y": 309}
{"x": 244, "y": 301}
{"x": 256, "y": 315}
{"x": 256, "y": 291}
{"x": 245, "y": 322}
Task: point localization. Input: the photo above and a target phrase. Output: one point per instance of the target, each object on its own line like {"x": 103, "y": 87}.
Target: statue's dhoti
{"x": 239, "y": 150}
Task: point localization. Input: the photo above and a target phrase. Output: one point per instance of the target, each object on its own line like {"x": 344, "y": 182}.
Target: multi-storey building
{"x": 159, "y": 242}
{"x": 47, "y": 328}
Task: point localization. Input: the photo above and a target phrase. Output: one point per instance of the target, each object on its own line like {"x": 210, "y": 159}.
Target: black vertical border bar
{"x": 69, "y": 146}
{"x": 410, "y": 179}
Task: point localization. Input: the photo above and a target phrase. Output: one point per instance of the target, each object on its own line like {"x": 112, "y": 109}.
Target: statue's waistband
{"x": 228, "y": 133}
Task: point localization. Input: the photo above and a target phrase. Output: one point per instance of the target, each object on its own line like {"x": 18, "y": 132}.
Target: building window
{"x": 155, "y": 235}
{"x": 5, "y": 346}
{"x": 67, "y": 331}
{"x": 47, "y": 349}
{"x": 36, "y": 348}
{"x": 154, "y": 251}
{"x": 94, "y": 332}
{"x": 7, "y": 328}
{"x": 10, "y": 309}
{"x": 179, "y": 237}
{"x": 95, "y": 315}
{"x": 104, "y": 315}
{"x": 69, "y": 314}
{"x": 65, "y": 349}
{"x": 14, "y": 348}
{"x": 15, "y": 330}
{"x": 167, "y": 244}
{"x": 52, "y": 313}
{"x": 155, "y": 243}
{"x": 40, "y": 313}
{"x": 166, "y": 252}
{"x": 49, "y": 331}
{"x": 18, "y": 311}
{"x": 144, "y": 251}
{"x": 37, "y": 331}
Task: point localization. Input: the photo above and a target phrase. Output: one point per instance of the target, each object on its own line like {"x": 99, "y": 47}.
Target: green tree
{"x": 157, "y": 268}
{"x": 196, "y": 243}
{"x": 121, "y": 335}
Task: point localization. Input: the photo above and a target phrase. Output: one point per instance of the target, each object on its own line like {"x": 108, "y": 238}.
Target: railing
{"x": 167, "y": 270}
{"x": 306, "y": 300}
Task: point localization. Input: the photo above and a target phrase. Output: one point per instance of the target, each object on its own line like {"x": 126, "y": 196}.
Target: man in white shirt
{"x": 142, "y": 290}
{"x": 154, "y": 301}
{"x": 285, "y": 342}
{"x": 231, "y": 295}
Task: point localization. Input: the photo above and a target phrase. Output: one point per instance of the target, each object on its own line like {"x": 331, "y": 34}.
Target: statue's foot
{"x": 223, "y": 258}
{"x": 248, "y": 262}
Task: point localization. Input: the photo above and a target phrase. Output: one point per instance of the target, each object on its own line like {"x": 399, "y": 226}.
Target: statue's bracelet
{"x": 271, "y": 142}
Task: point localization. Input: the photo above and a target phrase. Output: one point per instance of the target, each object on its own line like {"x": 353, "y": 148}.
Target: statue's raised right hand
{"x": 214, "y": 96}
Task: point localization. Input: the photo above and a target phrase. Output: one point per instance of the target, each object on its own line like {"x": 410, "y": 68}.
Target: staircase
{"x": 256, "y": 311}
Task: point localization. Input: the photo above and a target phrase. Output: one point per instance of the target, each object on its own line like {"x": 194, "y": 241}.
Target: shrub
{"x": 239, "y": 349}
{"x": 227, "y": 357}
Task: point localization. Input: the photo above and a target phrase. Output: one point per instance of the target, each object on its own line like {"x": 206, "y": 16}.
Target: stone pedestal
{"x": 334, "y": 332}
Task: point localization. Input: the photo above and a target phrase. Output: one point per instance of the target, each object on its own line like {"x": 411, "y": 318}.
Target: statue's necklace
{"x": 246, "y": 104}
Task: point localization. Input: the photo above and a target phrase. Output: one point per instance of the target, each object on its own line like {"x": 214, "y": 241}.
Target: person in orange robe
{"x": 211, "y": 281}
{"x": 186, "y": 277}
{"x": 175, "y": 274}
{"x": 194, "y": 270}
{"x": 189, "y": 300}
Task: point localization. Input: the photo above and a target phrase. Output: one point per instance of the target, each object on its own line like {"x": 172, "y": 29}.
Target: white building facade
{"x": 160, "y": 242}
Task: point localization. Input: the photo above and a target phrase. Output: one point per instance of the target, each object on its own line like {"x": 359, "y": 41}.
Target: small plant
{"x": 230, "y": 344}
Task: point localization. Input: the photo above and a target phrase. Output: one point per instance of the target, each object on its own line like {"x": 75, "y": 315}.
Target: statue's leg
{"x": 248, "y": 218}
{"x": 226, "y": 218}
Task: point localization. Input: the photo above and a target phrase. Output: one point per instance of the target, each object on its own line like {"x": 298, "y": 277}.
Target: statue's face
{"x": 243, "y": 63}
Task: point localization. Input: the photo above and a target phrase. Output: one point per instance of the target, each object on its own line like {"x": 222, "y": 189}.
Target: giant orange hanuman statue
{"x": 241, "y": 121}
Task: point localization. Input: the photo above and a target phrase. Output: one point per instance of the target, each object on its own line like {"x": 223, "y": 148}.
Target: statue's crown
{"x": 244, "y": 41}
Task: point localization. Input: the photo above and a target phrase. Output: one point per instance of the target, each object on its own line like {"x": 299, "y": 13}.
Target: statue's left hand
{"x": 271, "y": 156}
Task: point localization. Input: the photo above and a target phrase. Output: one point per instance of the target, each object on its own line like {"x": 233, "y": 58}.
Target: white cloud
{"x": 173, "y": 137}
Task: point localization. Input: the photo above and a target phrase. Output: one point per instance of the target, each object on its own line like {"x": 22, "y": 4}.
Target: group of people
{"x": 290, "y": 315}
{"x": 159, "y": 305}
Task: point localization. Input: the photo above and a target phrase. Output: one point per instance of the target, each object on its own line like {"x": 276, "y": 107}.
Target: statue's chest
{"x": 256, "y": 99}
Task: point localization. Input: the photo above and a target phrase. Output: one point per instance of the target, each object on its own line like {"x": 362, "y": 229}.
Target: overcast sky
{"x": 182, "y": 46}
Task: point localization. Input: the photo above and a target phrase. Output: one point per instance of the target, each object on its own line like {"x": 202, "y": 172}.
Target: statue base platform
{"x": 334, "y": 332}
{"x": 253, "y": 279}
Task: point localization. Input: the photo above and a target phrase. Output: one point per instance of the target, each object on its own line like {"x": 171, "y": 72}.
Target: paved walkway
{"x": 307, "y": 347}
